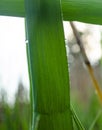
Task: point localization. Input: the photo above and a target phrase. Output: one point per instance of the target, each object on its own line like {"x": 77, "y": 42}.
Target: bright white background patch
{"x": 93, "y": 39}
{"x": 13, "y": 62}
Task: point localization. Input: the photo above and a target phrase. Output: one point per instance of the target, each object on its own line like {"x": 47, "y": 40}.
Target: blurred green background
{"x": 16, "y": 116}
{"x": 83, "y": 96}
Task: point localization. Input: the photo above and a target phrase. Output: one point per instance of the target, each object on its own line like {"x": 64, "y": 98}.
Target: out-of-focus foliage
{"x": 16, "y": 117}
{"x": 83, "y": 97}
{"x": 89, "y": 113}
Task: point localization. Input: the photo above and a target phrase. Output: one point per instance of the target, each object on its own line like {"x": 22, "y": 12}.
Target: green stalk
{"x": 48, "y": 64}
{"x": 89, "y": 11}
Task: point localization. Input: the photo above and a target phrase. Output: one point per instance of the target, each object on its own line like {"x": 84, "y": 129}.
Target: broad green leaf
{"x": 89, "y": 11}
{"x": 48, "y": 63}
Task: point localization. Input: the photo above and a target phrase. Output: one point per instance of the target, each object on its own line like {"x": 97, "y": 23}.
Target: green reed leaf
{"x": 48, "y": 64}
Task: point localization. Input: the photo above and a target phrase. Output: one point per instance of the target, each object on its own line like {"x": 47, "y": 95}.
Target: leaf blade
{"x": 89, "y": 11}
{"x": 48, "y": 64}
